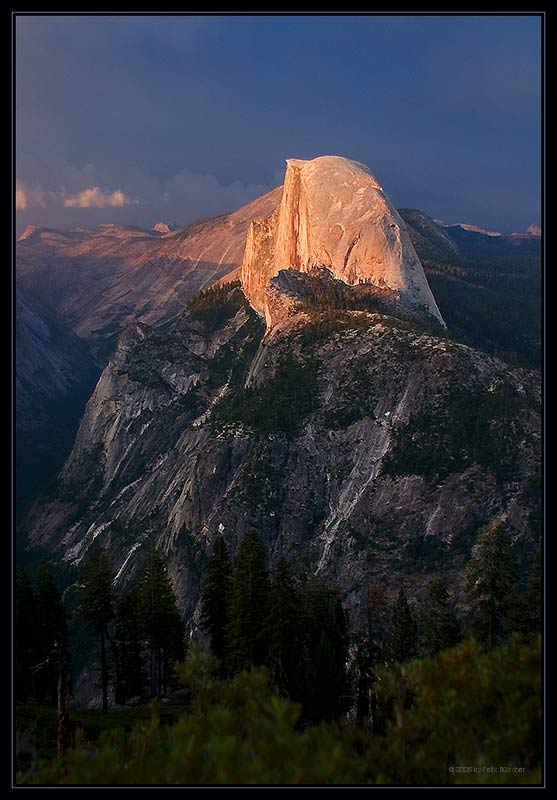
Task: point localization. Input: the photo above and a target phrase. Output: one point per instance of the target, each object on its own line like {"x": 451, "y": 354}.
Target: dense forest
{"x": 488, "y": 288}
{"x": 277, "y": 689}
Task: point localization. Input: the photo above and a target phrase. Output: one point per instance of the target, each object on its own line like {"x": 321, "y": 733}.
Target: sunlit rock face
{"x": 99, "y": 280}
{"x": 333, "y": 213}
{"x": 163, "y": 228}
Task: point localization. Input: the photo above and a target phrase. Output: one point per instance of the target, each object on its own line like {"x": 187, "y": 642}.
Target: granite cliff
{"x": 360, "y": 443}
{"x": 319, "y": 399}
{"x": 333, "y": 213}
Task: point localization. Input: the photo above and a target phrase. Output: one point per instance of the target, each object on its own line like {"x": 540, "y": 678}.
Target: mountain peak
{"x": 163, "y": 227}
{"x": 334, "y": 213}
{"x": 29, "y": 231}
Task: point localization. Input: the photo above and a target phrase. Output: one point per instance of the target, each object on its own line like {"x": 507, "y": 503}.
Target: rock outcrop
{"x": 333, "y": 213}
{"x": 163, "y": 228}
{"x": 369, "y": 448}
{"x": 101, "y": 279}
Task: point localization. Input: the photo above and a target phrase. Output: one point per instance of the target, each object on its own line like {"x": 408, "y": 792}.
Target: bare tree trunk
{"x": 104, "y": 676}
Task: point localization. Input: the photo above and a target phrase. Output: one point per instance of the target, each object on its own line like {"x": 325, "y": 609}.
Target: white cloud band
{"x": 96, "y": 198}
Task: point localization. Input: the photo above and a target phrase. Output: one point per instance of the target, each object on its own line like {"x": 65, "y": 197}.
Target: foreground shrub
{"x": 462, "y": 708}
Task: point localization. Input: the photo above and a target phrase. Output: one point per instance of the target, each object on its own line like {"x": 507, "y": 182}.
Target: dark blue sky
{"x": 136, "y": 119}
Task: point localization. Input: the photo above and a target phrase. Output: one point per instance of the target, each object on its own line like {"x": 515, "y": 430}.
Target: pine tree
{"x": 26, "y": 641}
{"x": 283, "y": 634}
{"x": 127, "y": 633}
{"x": 326, "y": 689}
{"x": 525, "y": 616}
{"x": 52, "y": 634}
{"x": 402, "y": 637}
{"x": 214, "y": 603}
{"x": 441, "y": 626}
{"x": 160, "y": 621}
{"x": 96, "y": 607}
{"x": 369, "y": 654}
{"x": 491, "y": 576}
{"x": 248, "y": 599}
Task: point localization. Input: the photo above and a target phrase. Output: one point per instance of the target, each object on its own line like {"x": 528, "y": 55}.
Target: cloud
{"x": 91, "y": 194}
{"x": 29, "y": 195}
{"x": 535, "y": 229}
{"x": 96, "y": 198}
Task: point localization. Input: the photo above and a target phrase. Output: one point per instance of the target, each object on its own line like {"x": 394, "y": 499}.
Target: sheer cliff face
{"x": 357, "y": 447}
{"x": 333, "y": 213}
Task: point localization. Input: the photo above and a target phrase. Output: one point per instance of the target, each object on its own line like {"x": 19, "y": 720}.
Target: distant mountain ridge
{"x": 98, "y": 280}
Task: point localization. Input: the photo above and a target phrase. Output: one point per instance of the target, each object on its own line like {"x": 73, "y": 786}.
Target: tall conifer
{"x": 248, "y": 599}
{"x": 214, "y": 603}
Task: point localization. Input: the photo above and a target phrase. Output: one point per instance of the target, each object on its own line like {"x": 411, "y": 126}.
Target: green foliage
{"x": 52, "y": 630}
{"x": 324, "y": 293}
{"x": 95, "y": 592}
{"x": 295, "y": 626}
{"x": 491, "y": 576}
{"x": 323, "y": 325}
{"x": 462, "y": 707}
{"x": 441, "y": 626}
{"x": 489, "y": 292}
{"x": 216, "y": 305}
{"x": 190, "y": 401}
{"x": 199, "y": 671}
{"x": 36, "y": 732}
{"x": 286, "y": 656}
{"x": 248, "y": 599}
{"x": 402, "y": 637}
{"x": 235, "y": 732}
{"x": 526, "y": 613}
{"x": 214, "y": 602}
{"x": 326, "y": 692}
{"x": 41, "y": 642}
{"x": 279, "y": 405}
{"x": 95, "y": 608}
{"x": 160, "y": 620}
{"x": 127, "y": 633}
{"x": 424, "y": 553}
{"x": 26, "y": 639}
{"x": 357, "y": 400}
{"x": 474, "y": 426}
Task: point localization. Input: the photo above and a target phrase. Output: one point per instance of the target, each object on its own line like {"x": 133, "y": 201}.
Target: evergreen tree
{"x": 160, "y": 620}
{"x": 26, "y": 642}
{"x": 52, "y": 634}
{"x": 326, "y": 692}
{"x": 402, "y": 637}
{"x": 248, "y": 599}
{"x": 491, "y": 576}
{"x": 285, "y": 646}
{"x": 369, "y": 655}
{"x": 525, "y": 616}
{"x": 214, "y": 603}
{"x": 96, "y": 607}
{"x": 441, "y": 626}
{"x": 127, "y": 633}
